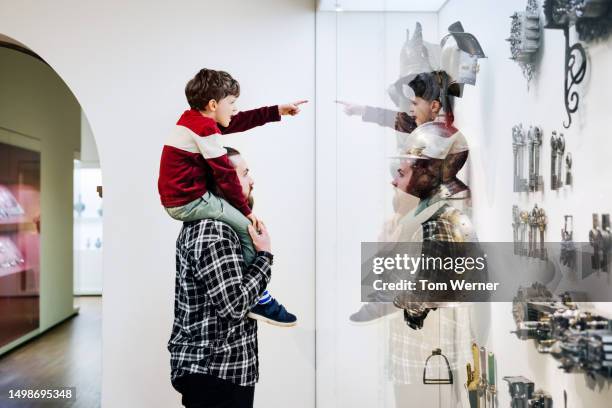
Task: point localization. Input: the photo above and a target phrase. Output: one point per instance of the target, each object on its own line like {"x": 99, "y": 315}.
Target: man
{"x": 427, "y": 126}
{"x": 213, "y": 346}
{"x": 425, "y": 172}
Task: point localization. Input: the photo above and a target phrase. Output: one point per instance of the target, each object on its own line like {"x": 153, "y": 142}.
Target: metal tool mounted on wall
{"x": 525, "y": 38}
{"x": 483, "y": 384}
{"x": 518, "y": 149}
{"x": 600, "y": 238}
{"x": 533, "y": 221}
{"x": 568, "y": 248}
{"x": 516, "y": 225}
{"x": 491, "y": 380}
{"x": 431, "y": 378}
{"x": 557, "y": 149}
{"x": 592, "y": 19}
{"x": 523, "y": 395}
{"x": 580, "y": 340}
{"x": 524, "y": 216}
{"x": 473, "y": 378}
{"x": 537, "y": 228}
{"x": 534, "y": 138}
{"x": 587, "y": 351}
{"x": 531, "y": 141}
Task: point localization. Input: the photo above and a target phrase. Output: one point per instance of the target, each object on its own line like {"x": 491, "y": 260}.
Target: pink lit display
{"x": 19, "y": 242}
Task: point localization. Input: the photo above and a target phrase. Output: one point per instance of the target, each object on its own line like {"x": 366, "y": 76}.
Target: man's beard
{"x": 251, "y": 200}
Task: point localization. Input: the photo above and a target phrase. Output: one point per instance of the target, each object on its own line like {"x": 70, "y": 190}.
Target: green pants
{"x": 211, "y": 207}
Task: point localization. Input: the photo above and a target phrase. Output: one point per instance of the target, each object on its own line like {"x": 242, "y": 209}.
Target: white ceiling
{"x": 381, "y": 5}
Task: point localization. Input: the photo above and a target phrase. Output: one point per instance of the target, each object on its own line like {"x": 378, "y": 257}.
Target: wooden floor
{"x": 69, "y": 355}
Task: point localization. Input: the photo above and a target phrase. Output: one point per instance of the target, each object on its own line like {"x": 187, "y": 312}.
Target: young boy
{"x": 193, "y": 160}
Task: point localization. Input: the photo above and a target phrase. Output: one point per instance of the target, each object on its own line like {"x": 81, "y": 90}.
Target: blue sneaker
{"x": 273, "y": 313}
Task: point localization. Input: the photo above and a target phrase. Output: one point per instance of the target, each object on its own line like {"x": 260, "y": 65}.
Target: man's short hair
{"x": 209, "y": 84}
{"x": 431, "y": 86}
{"x": 436, "y": 86}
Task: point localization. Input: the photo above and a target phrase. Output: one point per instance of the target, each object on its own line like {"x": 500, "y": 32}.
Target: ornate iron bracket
{"x": 525, "y": 38}
{"x": 593, "y": 21}
{"x": 575, "y": 70}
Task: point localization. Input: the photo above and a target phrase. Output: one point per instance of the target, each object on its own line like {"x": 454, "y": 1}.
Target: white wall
{"x": 127, "y": 63}
{"x": 89, "y": 148}
{"x": 486, "y": 115}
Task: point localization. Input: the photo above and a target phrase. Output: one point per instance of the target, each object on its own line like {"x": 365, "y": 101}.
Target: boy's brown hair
{"x": 209, "y": 84}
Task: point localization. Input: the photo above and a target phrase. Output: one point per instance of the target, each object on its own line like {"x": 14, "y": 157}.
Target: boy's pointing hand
{"x": 291, "y": 108}
{"x": 352, "y": 108}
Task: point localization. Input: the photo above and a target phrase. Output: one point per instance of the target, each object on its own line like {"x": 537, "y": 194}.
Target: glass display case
{"x": 388, "y": 74}
{"x": 374, "y": 353}
{"x": 19, "y": 241}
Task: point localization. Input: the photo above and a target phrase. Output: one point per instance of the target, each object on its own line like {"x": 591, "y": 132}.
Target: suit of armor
{"x": 438, "y": 218}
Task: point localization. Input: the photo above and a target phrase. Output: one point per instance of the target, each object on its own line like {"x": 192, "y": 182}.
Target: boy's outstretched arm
{"x": 400, "y": 121}
{"x": 246, "y": 120}
{"x": 291, "y": 108}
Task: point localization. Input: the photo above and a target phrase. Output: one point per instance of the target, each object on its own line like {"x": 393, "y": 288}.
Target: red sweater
{"x": 193, "y": 154}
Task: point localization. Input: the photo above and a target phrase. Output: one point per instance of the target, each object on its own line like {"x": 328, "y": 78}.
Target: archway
{"x": 48, "y": 159}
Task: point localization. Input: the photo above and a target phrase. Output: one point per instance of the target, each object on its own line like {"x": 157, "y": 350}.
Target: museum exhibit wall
{"x": 486, "y": 115}
{"x": 37, "y": 108}
{"x": 357, "y": 59}
{"x": 127, "y": 64}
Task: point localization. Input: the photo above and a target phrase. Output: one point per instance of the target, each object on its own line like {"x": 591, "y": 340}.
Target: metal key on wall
{"x": 524, "y": 227}
{"x": 557, "y": 145}
{"x": 531, "y": 164}
{"x": 516, "y": 222}
{"x": 542, "y": 221}
{"x": 595, "y": 241}
{"x": 553, "y": 160}
{"x": 533, "y": 232}
{"x": 518, "y": 150}
{"x": 560, "y": 152}
{"x": 606, "y": 242}
{"x": 568, "y": 249}
{"x": 535, "y": 142}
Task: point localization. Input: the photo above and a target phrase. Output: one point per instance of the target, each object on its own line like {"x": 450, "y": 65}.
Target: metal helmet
{"x": 460, "y": 54}
{"x": 434, "y": 140}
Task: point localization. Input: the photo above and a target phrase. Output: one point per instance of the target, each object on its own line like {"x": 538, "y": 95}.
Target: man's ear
{"x": 436, "y": 106}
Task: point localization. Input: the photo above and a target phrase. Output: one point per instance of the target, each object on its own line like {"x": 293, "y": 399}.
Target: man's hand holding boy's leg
{"x": 254, "y": 221}
{"x": 261, "y": 238}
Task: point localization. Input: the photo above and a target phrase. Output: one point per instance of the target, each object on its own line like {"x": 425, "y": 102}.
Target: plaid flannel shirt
{"x": 409, "y": 348}
{"x": 214, "y": 291}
